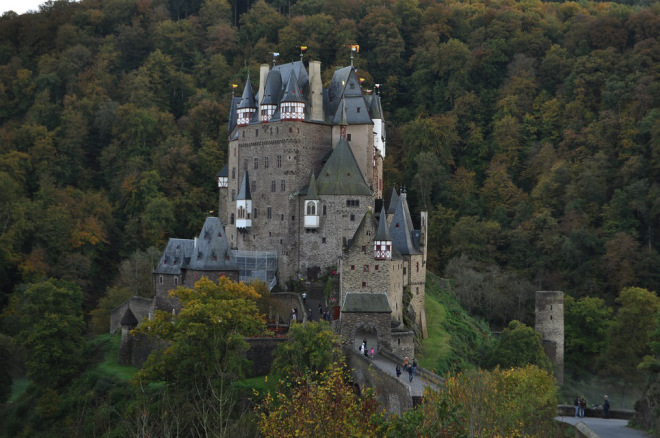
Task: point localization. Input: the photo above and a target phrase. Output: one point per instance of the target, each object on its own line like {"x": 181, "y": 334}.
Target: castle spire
{"x": 247, "y": 107}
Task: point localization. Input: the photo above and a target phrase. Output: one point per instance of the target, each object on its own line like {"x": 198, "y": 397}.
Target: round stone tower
{"x": 550, "y": 324}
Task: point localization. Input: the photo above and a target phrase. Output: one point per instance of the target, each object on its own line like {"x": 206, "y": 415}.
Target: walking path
{"x": 418, "y": 383}
{"x": 606, "y": 428}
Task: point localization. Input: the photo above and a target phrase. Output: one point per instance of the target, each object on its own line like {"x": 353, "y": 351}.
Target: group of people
{"x": 580, "y": 404}
{"x": 410, "y": 368}
{"x": 310, "y": 315}
{"x": 364, "y": 350}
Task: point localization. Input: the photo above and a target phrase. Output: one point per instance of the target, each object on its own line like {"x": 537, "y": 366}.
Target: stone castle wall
{"x": 140, "y": 306}
{"x": 550, "y": 324}
{"x": 351, "y": 323}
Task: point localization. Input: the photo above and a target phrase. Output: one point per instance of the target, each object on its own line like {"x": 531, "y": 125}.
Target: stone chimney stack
{"x": 263, "y": 75}
{"x": 315, "y": 91}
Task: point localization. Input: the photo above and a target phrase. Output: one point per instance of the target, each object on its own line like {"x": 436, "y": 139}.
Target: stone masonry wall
{"x": 140, "y": 306}
{"x": 379, "y": 322}
{"x": 417, "y": 282}
{"x": 550, "y": 324}
{"x": 396, "y": 397}
{"x": 403, "y": 343}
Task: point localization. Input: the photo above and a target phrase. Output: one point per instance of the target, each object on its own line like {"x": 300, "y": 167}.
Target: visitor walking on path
{"x": 576, "y": 404}
{"x": 398, "y": 371}
{"x": 606, "y": 408}
{"x": 583, "y": 406}
{"x": 410, "y": 373}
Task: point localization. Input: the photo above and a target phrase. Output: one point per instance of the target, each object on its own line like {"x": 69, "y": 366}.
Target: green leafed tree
{"x": 587, "y": 321}
{"x": 52, "y": 335}
{"x": 518, "y": 345}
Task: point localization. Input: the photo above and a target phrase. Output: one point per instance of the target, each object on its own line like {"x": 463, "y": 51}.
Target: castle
{"x": 302, "y": 193}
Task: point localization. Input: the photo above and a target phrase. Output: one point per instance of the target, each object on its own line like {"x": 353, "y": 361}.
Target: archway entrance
{"x": 369, "y": 334}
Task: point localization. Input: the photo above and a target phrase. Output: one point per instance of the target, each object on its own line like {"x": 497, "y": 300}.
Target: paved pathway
{"x": 607, "y": 428}
{"x": 418, "y": 383}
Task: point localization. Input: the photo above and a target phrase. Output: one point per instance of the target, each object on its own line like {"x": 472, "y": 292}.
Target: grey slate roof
{"x": 129, "y": 319}
{"x": 312, "y": 192}
{"x": 366, "y": 303}
{"x": 174, "y": 256}
{"x": 233, "y": 115}
{"x": 273, "y": 88}
{"x": 224, "y": 172}
{"x": 345, "y": 86}
{"x": 293, "y": 91}
{"x": 341, "y": 174}
{"x": 244, "y": 192}
{"x": 247, "y": 100}
{"x": 375, "y": 108}
{"x": 393, "y": 202}
{"x": 367, "y": 220}
{"x": 402, "y": 229}
{"x": 212, "y": 252}
{"x": 383, "y": 231}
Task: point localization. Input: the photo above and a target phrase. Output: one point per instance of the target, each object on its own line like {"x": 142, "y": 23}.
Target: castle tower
{"x": 223, "y": 184}
{"x": 247, "y": 107}
{"x": 550, "y": 324}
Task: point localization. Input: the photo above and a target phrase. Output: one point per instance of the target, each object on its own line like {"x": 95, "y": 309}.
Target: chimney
{"x": 315, "y": 91}
{"x": 263, "y": 75}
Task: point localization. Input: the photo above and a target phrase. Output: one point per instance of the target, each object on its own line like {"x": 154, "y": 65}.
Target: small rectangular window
{"x": 160, "y": 279}
{"x": 364, "y": 249}
{"x": 282, "y": 219}
{"x": 279, "y": 161}
{"x": 365, "y": 268}
{"x": 322, "y": 239}
{"x": 176, "y": 281}
{"x": 272, "y": 186}
{"x": 375, "y": 267}
{"x": 352, "y": 217}
{"x": 269, "y": 213}
{"x": 348, "y": 137}
{"x": 256, "y": 133}
{"x": 245, "y": 164}
{"x": 255, "y": 213}
{"x": 233, "y": 173}
{"x": 231, "y": 219}
{"x": 352, "y": 267}
{"x": 256, "y": 162}
{"x": 266, "y": 162}
{"x": 404, "y": 271}
{"x": 364, "y": 284}
{"x": 283, "y": 185}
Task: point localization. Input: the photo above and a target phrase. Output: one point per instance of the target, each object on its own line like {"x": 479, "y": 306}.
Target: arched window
{"x": 311, "y": 209}
{"x": 241, "y": 213}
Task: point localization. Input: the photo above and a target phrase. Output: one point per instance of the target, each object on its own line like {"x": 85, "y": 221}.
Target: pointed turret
{"x": 244, "y": 204}
{"x": 383, "y": 240}
{"x": 292, "y": 105}
{"x": 312, "y": 205}
{"x": 271, "y": 96}
{"x": 247, "y": 107}
{"x": 401, "y": 228}
{"x": 376, "y": 113}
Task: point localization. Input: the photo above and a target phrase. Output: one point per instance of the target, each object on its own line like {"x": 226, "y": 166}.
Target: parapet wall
{"x": 395, "y": 397}
{"x": 140, "y": 306}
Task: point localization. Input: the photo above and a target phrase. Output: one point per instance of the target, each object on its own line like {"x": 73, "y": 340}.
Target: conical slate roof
{"x": 394, "y": 200}
{"x": 383, "y": 231}
{"x": 401, "y": 228}
{"x": 224, "y": 172}
{"x": 292, "y": 93}
{"x": 244, "y": 192}
{"x": 312, "y": 192}
{"x": 341, "y": 174}
{"x": 247, "y": 101}
{"x": 375, "y": 110}
{"x": 273, "y": 88}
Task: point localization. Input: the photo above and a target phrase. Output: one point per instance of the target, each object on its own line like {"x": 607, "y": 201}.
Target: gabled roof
{"x": 341, "y": 174}
{"x": 401, "y": 228}
{"x": 247, "y": 101}
{"x": 211, "y": 251}
{"x": 393, "y": 201}
{"x": 174, "y": 256}
{"x": 366, "y": 303}
{"x": 345, "y": 86}
{"x": 244, "y": 192}
{"x": 383, "y": 233}
{"x": 292, "y": 92}
{"x": 312, "y": 192}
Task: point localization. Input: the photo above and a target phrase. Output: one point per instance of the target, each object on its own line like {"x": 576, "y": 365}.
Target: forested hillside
{"x": 529, "y": 130}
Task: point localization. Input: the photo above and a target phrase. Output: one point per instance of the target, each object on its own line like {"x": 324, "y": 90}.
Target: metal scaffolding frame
{"x": 257, "y": 265}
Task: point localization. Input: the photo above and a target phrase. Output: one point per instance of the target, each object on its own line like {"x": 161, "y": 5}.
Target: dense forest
{"x": 529, "y": 130}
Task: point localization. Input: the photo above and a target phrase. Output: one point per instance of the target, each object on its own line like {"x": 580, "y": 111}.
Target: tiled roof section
{"x": 129, "y": 319}
{"x": 247, "y": 101}
{"x": 345, "y": 85}
{"x": 233, "y": 115}
{"x": 383, "y": 232}
{"x": 312, "y": 191}
{"x": 224, "y": 172}
{"x": 293, "y": 91}
{"x": 341, "y": 174}
{"x": 298, "y": 68}
{"x": 212, "y": 252}
{"x": 244, "y": 192}
{"x": 368, "y": 220}
{"x": 393, "y": 201}
{"x": 375, "y": 109}
{"x": 174, "y": 256}
{"x": 366, "y": 303}
{"x": 273, "y": 88}
{"x": 401, "y": 228}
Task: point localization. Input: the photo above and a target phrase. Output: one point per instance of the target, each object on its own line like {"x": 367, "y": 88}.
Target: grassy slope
{"x": 455, "y": 339}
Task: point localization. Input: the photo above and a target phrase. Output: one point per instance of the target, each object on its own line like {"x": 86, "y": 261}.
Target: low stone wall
{"x": 583, "y": 431}
{"x": 396, "y": 399}
{"x": 596, "y": 412}
{"x": 140, "y": 306}
{"x": 288, "y": 301}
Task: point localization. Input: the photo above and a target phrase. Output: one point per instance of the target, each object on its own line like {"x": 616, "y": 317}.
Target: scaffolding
{"x": 257, "y": 265}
